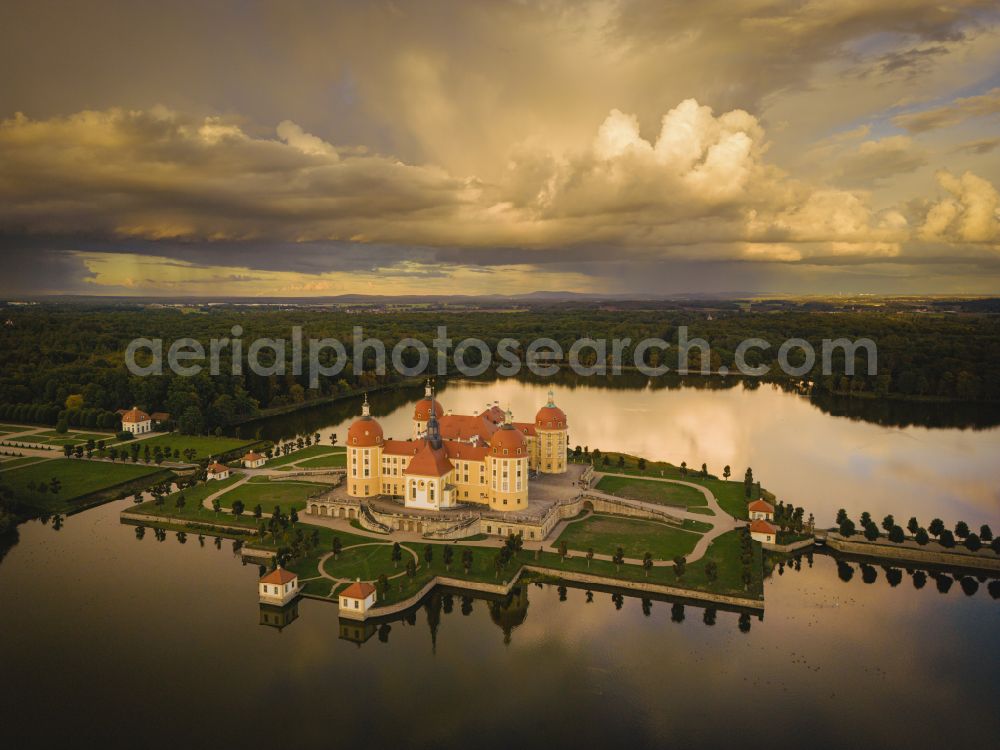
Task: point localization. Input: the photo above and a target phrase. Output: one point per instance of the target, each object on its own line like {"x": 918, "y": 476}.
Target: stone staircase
{"x": 457, "y": 531}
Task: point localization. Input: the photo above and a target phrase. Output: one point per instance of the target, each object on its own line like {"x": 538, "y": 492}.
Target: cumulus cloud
{"x": 969, "y": 213}
{"x": 307, "y": 143}
{"x": 699, "y": 188}
{"x": 952, "y": 113}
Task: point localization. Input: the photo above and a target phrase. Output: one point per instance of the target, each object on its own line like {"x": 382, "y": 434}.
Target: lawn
{"x": 10, "y": 462}
{"x": 108, "y": 437}
{"x": 193, "y": 509}
{"x": 366, "y": 562}
{"x": 334, "y": 460}
{"x": 80, "y": 480}
{"x": 312, "y": 452}
{"x": 730, "y": 494}
{"x": 204, "y": 446}
{"x": 607, "y": 533}
{"x": 270, "y": 493}
{"x": 651, "y": 491}
{"x": 14, "y": 427}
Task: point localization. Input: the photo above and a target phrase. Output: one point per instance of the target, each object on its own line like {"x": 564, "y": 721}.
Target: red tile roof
{"x": 465, "y": 427}
{"x": 358, "y": 590}
{"x": 279, "y": 576}
{"x": 422, "y": 409}
{"x": 217, "y": 468}
{"x": 761, "y": 526}
{"x": 528, "y": 428}
{"x": 364, "y": 432}
{"x": 508, "y": 438}
{"x": 251, "y": 456}
{"x": 401, "y": 447}
{"x": 550, "y": 418}
{"x": 160, "y": 416}
{"x": 465, "y": 451}
{"x": 428, "y": 462}
{"x": 133, "y": 415}
{"x": 762, "y": 506}
{"x": 494, "y": 414}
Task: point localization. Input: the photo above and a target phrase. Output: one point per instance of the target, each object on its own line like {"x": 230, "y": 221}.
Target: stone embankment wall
{"x": 503, "y": 588}
{"x": 985, "y": 559}
{"x": 793, "y": 547}
{"x": 150, "y": 520}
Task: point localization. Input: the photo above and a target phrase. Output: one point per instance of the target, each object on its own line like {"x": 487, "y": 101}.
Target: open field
{"x": 607, "y": 533}
{"x": 204, "y": 446}
{"x": 268, "y": 493}
{"x": 313, "y": 452}
{"x": 366, "y": 562}
{"x": 80, "y": 480}
{"x": 11, "y": 462}
{"x": 333, "y": 461}
{"x": 57, "y": 440}
{"x": 730, "y": 494}
{"x": 651, "y": 491}
{"x": 193, "y": 510}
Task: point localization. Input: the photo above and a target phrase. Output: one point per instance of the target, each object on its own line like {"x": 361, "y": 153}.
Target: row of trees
{"x": 56, "y": 352}
{"x": 936, "y": 528}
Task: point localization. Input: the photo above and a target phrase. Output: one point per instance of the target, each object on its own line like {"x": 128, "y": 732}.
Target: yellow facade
{"x": 551, "y": 451}
{"x": 363, "y": 471}
{"x": 499, "y": 479}
{"x": 508, "y": 483}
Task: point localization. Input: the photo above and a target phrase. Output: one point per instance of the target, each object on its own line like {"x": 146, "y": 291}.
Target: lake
{"x": 802, "y": 453}
{"x": 159, "y": 643}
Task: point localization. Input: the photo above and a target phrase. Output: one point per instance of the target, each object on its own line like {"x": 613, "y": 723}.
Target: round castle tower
{"x": 422, "y": 411}
{"x": 507, "y": 468}
{"x": 364, "y": 455}
{"x": 552, "y": 441}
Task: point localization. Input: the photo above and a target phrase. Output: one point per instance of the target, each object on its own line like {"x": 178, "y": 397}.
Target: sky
{"x": 499, "y": 147}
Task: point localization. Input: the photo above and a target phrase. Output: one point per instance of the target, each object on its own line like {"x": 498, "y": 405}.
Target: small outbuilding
{"x": 278, "y": 587}
{"x": 136, "y": 421}
{"x": 253, "y": 460}
{"x": 216, "y": 471}
{"x": 763, "y": 531}
{"x": 761, "y": 509}
{"x": 356, "y": 600}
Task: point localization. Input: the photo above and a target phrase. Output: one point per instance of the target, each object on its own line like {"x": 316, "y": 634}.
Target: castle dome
{"x": 510, "y": 438}
{"x": 550, "y": 416}
{"x": 364, "y": 431}
{"x": 422, "y": 410}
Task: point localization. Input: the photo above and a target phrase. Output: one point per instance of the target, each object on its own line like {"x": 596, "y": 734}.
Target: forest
{"x": 62, "y": 362}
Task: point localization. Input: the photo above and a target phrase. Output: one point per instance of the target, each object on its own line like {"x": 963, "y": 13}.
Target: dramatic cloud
{"x": 970, "y": 213}
{"x": 874, "y": 161}
{"x": 634, "y": 144}
{"x": 951, "y": 114}
{"x": 159, "y": 175}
